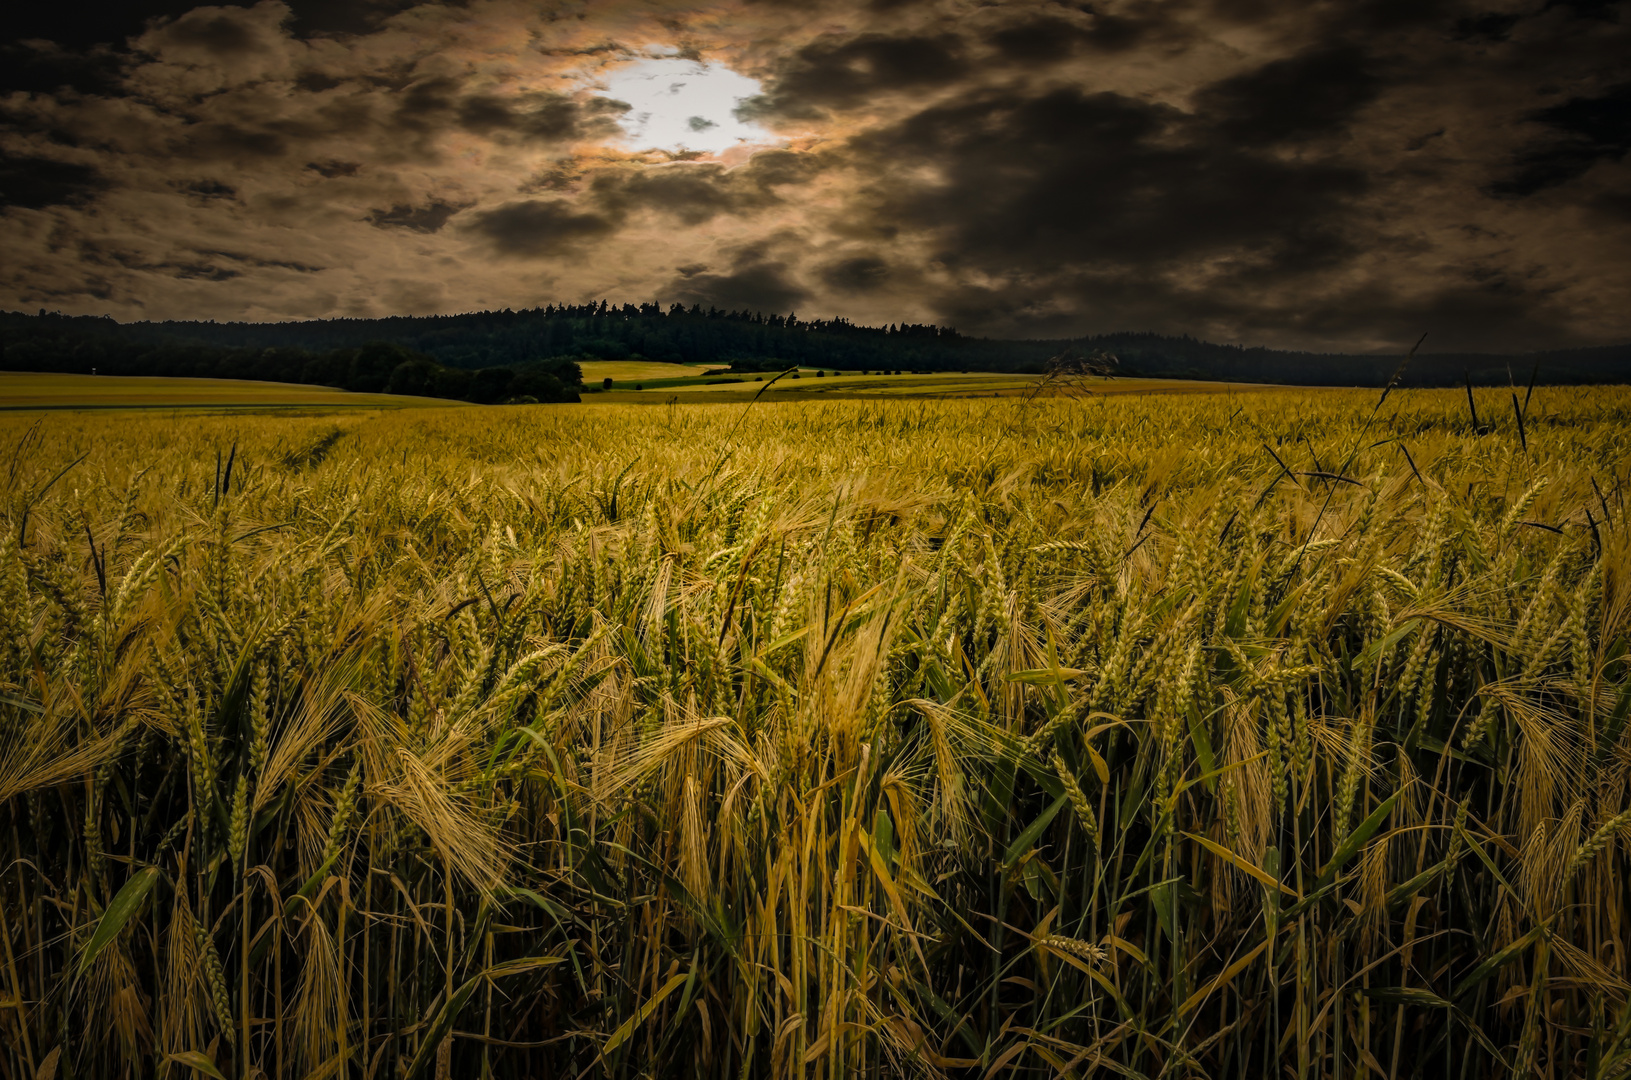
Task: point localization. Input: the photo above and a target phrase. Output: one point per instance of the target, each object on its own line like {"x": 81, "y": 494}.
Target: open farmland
{"x": 839, "y": 386}
{"x": 1268, "y": 733}
{"x": 621, "y": 370}
{"x": 25, "y": 390}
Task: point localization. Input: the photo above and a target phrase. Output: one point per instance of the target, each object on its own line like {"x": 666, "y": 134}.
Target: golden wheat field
{"x": 33, "y": 391}
{"x": 1258, "y": 734}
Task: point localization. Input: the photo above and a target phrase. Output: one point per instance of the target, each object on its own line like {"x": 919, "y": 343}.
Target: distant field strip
{"x": 936, "y": 385}
{"x": 29, "y": 390}
{"x": 658, "y": 383}
{"x": 596, "y": 370}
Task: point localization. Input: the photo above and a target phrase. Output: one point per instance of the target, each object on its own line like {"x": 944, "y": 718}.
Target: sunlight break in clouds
{"x": 684, "y": 105}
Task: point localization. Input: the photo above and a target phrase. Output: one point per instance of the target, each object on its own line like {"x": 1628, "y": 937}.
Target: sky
{"x": 1341, "y": 176}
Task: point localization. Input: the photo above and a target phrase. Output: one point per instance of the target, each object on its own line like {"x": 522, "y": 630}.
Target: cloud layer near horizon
{"x": 1331, "y": 176}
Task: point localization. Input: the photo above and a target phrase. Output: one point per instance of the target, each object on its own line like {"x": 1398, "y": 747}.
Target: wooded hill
{"x": 92, "y": 345}
{"x": 503, "y": 355}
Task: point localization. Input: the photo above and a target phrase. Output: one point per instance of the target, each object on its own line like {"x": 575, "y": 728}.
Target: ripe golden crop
{"x": 1215, "y": 735}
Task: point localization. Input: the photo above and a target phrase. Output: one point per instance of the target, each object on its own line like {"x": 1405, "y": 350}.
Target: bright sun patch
{"x": 684, "y": 105}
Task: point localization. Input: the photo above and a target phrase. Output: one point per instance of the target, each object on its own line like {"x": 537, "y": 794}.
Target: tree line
{"x": 499, "y": 355}
{"x": 88, "y": 346}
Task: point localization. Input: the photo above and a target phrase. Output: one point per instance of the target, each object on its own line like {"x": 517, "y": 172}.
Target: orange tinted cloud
{"x": 1279, "y": 174}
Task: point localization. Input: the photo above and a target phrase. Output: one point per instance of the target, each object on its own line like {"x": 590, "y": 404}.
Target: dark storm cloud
{"x": 315, "y": 82}
{"x": 1602, "y": 10}
{"x": 691, "y": 194}
{"x": 1485, "y": 26}
{"x": 84, "y": 24}
{"x": 1047, "y": 37}
{"x": 1497, "y": 311}
{"x": 859, "y": 273}
{"x": 538, "y": 227}
{"x": 755, "y": 281}
{"x": 262, "y": 263}
{"x": 196, "y": 264}
{"x": 549, "y": 117}
{"x": 838, "y": 72}
{"x": 217, "y": 32}
{"x": 39, "y": 66}
{"x": 1372, "y": 16}
{"x": 205, "y": 272}
{"x": 333, "y": 169}
{"x": 1493, "y": 312}
{"x": 407, "y": 125}
{"x": 1312, "y": 95}
{"x": 1044, "y": 38}
{"x": 22, "y": 122}
{"x": 1580, "y": 132}
{"x": 683, "y": 192}
{"x": 697, "y": 193}
{"x": 1077, "y": 176}
{"x": 428, "y": 218}
{"x": 770, "y": 170}
{"x": 249, "y": 137}
{"x": 36, "y": 182}
{"x": 87, "y": 23}
{"x": 427, "y": 106}
{"x": 1098, "y": 209}
{"x": 207, "y": 189}
{"x": 322, "y": 17}
{"x": 430, "y": 108}
{"x": 234, "y": 142}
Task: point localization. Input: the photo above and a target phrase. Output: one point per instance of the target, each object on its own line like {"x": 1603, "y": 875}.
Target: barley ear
{"x": 1078, "y": 800}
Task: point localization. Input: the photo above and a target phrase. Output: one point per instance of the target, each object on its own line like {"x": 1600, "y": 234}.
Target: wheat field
{"x": 1255, "y": 734}
{"x": 39, "y": 390}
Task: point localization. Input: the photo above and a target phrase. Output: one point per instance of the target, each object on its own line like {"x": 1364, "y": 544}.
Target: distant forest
{"x": 496, "y": 356}
{"x": 374, "y": 364}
